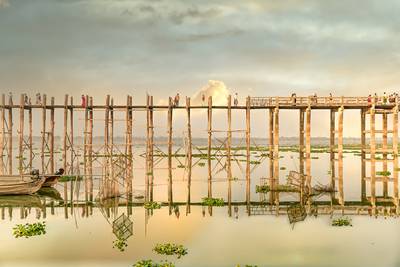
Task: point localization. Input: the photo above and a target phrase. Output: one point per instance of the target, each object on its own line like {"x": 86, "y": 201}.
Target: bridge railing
{"x": 312, "y": 100}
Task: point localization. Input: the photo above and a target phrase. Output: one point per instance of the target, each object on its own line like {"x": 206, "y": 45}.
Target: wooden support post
{"x": 169, "y": 125}
{"x": 106, "y": 163}
{"x": 248, "y": 128}
{"x": 129, "y": 156}
{"x": 308, "y": 147}
{"x": 301, "y": 152}
{"x": 332, "y": 137}
{"x": 71, "y": 136}
{"x": 21, "y": 135}
{"x": 209, "y": 144}
{"x": 52, "y": 122}
{"x": 147, "y": 175}
{"x": 395, "y": 138}
{"x": 2, "y": 133}
{"x": 85, "y": 150}
{"x": 151, "y": 146}
{"x": 372, "y": 155}
{"x": 90, "y": 149}
{"x": 271, "y": 152}
{"x": 43, "y": 147}
{"x": 189, "y": 152}
{"x": 276, "y": 153}
{"x": 30, "y": 139}
{"x": 229, "y": 152}
{"x": 363, "y": 165}
{"x": 114, "y": 178}
{"x": 65, "y": 137}
{"x": 10, "y": 136}
{"x": 340, "y": 155}
{"x": 384, "y": 153}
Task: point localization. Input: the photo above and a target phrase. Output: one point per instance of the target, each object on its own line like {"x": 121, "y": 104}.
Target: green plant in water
{"x": 68, "y": 178}
{"x": 170, "y": 249}
{"x": 282, "y": 168}
{"x": 279, "y": 188}
{"x": 29, "y": 229}
{"x": 150, "y": 263}
{"x": 151, "y": 205}
{"x": 201, "y": 164}
{"x": 384, "y": 173}
{"x": 254, "y": 162}
{"x": 209, "y": 201}
{"x": 180, "y": 166}
{"x": 120, "y": 244}
{"x": 342, "y": 221}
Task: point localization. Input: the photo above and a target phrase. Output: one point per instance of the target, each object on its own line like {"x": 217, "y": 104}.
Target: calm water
{"x": 79, "y": 236}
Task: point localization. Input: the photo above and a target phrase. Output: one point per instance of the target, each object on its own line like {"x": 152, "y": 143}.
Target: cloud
{"x": 216, "y": 89}
{"x": 4, "y": 3}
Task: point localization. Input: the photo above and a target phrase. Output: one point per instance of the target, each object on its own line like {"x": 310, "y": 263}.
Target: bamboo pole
{"x": 229, "y": 152}
{"x": 2, "y": 134}
{"x": 340, "y": 155}
{"x": 21, "y": 135}
{"x": 72, "y": 149}
{"x": 209, "y": 143}
{"x": 363, "y": 165}
{"x": 372, "y": 154}
{"x": 129, "y": 173}
{"x": 114, "y": 179}
{"x": 52, "y": 122}
{"x": 395, "y": 138}
{"x": 248, "y": 150}
{"x": 169, "y": 125}
{"x": 42, "y": 152}
{"x": 189, "y": 152}
{"x": 10, "y": 136}
{"x": 384, "y": 153}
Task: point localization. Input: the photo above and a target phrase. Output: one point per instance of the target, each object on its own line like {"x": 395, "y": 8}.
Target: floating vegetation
{"x": 234, "y": 179}
{"x": 201, "y": 164}
{"x": 384, "y": 173}
{"x": 342, "y": 221}
{"x": 279, "y": 188}
{"x": 151, "y": 205}
{"x": 282, "y": 168}
{"x": 314, "y": 157}
{"x": 254, "y": 162}
{"x": 210, "y": 201}
{"x": 150, "y": 263}
{"x": 181, "y": 166}
{"x": 170, "y": 249}
{"x": 68, "y": 178}
{"x": 247, "y": 265}
{"x": 29, "y": 229}
{"x": 120, "y": 244}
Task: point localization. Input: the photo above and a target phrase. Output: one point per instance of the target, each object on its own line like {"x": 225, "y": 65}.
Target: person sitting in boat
{"x": 60, "y": 171}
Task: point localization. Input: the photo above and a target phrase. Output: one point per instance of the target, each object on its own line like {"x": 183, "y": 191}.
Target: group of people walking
{"x": 384, "y": 99}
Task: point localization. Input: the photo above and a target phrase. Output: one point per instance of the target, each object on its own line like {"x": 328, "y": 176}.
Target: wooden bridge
{"x": 117, "y": 162}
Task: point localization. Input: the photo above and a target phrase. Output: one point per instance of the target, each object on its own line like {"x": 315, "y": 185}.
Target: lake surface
{"x": 81, "y": 233}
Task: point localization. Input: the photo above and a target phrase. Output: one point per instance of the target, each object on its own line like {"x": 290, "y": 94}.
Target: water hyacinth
{"x": 151, "y": 205}
{"x": 209, "y": 201}
{"x": 29, "y": 229}
{"x": 343, "y": 221}
{"x": 150, "y": 263}
{"x": 170, "y": 249}
{"x": 120, "y": 244}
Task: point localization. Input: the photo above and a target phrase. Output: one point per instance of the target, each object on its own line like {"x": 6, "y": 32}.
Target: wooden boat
{"x": 21, "y": 184}
{"x": 51, "y": 180}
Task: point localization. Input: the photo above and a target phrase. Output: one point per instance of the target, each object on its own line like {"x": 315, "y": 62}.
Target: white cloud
{"x": 216, "y": 89}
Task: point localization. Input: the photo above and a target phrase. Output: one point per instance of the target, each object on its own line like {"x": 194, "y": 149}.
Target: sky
{"x": 257, "y": 48}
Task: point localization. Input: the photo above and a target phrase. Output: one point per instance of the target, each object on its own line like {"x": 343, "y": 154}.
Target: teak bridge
{"x": 117, "y": 162}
